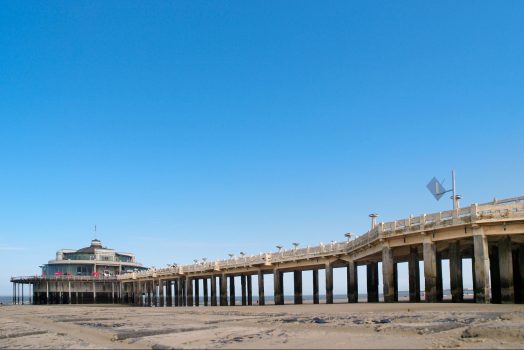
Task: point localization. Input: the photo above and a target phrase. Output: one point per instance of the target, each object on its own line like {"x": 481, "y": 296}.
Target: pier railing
{"x": 21, "y": 279}
{"x": 506, "y": 209}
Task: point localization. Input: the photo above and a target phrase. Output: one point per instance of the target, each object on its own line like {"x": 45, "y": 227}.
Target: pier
{"x": 490, "y": 234}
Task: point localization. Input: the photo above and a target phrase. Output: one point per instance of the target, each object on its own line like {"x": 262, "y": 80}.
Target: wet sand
{"x": 401, "y": 325}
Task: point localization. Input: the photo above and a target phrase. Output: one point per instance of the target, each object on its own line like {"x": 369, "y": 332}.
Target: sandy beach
{"x": 363, "y": 325}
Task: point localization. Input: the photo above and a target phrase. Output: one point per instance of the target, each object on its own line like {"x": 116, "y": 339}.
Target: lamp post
{"x": 348, "y": 236}
{"x": 373, "y": 217}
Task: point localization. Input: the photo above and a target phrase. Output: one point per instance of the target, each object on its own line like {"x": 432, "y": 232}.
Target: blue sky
{"x": 200, "y": 128}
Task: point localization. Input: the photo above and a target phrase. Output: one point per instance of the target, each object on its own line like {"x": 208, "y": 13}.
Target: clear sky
{"x": 190, "y": 129}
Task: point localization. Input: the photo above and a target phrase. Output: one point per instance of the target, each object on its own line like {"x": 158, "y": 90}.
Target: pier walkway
{"x": 491, "y": 234}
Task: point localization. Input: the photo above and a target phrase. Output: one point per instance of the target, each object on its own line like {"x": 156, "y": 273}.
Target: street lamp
{"x": 231, "y": 255}
{"x": 373, "y": 217}
{"x": 296, "y": 245}
{"x": 348, "y": 236}
{"x": 279, "y": 247}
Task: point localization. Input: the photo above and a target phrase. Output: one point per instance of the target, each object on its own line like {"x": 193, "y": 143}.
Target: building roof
{"x": 95, "y": 244}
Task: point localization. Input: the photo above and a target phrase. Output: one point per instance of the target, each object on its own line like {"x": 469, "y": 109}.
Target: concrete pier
{"x": 352, "y": 282}
{"x": 223, "y": 290}
{"x": 297, "y": 275}
{"x": 481, "y": 254}
{"x": 243, "y": 288}
{"x": 388, "y": 275}
{"x": 491, "y": 234}
{"x": 372, "y": 282}
{"x": 261, "y": 296}
{"x": 329, "y": 284}
{"x": 316, "y": 298}
{"x": 197, "y": 292}
{"x": 507, "y": 291}
{"x": 249, "y": 290}
{"x": 278, "y": 283}
{"x": 455, "y": 272}
{"x": 414, "y": 275}
{"x": 213, "y": 282}
{"x": 204, "y": 286}
{"x": 430, "y": 270}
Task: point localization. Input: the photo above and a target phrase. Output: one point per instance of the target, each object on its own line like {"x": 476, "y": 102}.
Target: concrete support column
{"x": 69, "y": 290}
{"x": 329, "y": 284}
{"x": 518, "y": 270}
{"x": 232, "y": 291}
{"x": 244, "y": 289}
{"x": 223, "y": 290}
{"x": 507, "y": 290}
{"x": 439, "y": 282}
{"x": 249, "y": 290}
{"x": 388, "y": 277}
{"x": 213, "y": 291}
{"x": 197, "y": 292}
{"x": 183, "y": 291}
{"x": 414, "y": 275}
{"x": 480, "y": 247}
{"x": 169, "y": 294}
{"x": 204, "y": 285}
{"x": 94, "y": 293}
{"x": 155, "y": 285}
{"x": 297, "y": 284}
{"x": 316, "y": 298}
{"x": 47, "y": 292}
{"x": 189, "y": 288}
{"x": 161, "y": 293}
{"x": 177, "y": 299}
{"x": 372, "y": 282}
{"x": 261, "y": 296}
{"x": 395, "y": 282}
{"x": 352, "y": 282}
{"x": 279, "y": 287}
{"x": 430, "y": 270}
{"x": 455, "y": 273}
